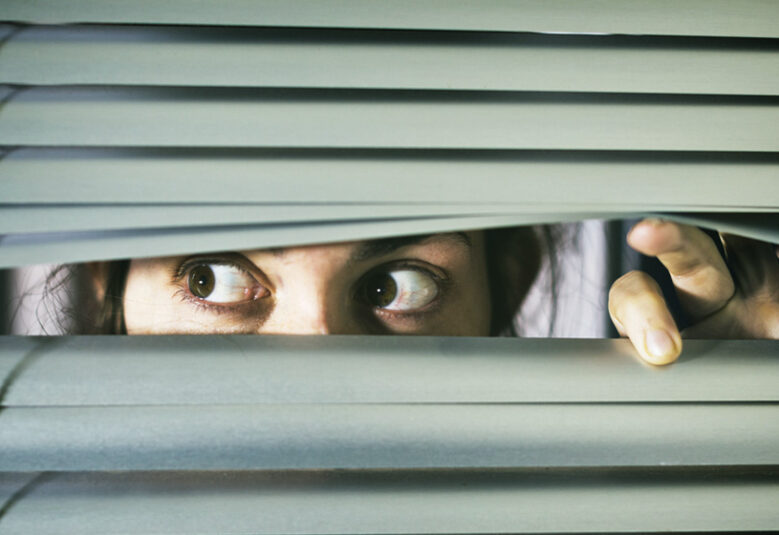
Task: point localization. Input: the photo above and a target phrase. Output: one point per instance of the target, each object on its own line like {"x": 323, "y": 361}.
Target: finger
{"x": 698, "y": 272}
{"x": 638, "y": 310}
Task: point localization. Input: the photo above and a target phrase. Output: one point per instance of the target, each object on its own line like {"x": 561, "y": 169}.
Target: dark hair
{"x": 84, "y": 298}
{"x": 513, "y": 254}
{"x": 110, "y": 314}
{"x": 513, "y": 262}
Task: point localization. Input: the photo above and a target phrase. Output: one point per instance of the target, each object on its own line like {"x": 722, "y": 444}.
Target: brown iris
{"x": 380, "y": 290}
{"x": 201, "y": 281}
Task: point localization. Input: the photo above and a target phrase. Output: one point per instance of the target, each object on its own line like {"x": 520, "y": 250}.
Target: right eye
{"x": 401, "y": 290}
{"x": 222, "y": 283}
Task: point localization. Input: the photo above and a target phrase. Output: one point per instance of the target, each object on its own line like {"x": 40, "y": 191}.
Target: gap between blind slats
{"x": 385, "y": 436}
{"x": 64, "y": 247}
{"x": 286, "y": 118}
{"x": 194, "y": 370}
{"x": 749, "y": 18}
{"x": 587, "y": 180}
{"x": 179, "y": 56}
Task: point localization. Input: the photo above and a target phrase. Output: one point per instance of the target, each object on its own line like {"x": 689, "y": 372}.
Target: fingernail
{"x": 659, "y": 344}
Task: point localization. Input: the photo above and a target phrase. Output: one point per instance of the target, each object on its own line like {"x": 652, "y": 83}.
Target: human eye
{"x": 220, "y": 283}
{"x": 400, "y": 289}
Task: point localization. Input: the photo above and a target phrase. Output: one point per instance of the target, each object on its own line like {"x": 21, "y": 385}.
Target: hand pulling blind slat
{"x": 752, "y": 18}
{"x": 185, "y": 56}
{"x": 322, "y": 118}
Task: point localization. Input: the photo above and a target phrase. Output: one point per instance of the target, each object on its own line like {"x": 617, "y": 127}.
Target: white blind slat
{"x": 176, "y": 118}
{"x": 758, "y": 226}
{"x": 185, "y": 56}
{"x": 22, "y": 220}
{"x": 752, "y": 18}
{"x": 64, "y": 247}
{"x": 194, "y": 370}
{"x": 539, "y": 181}
{"x": 59, "y": 218}
{"x": 361, "y": 436}
{"x": 20, "y": 250}
{"x": 251, "y": 503}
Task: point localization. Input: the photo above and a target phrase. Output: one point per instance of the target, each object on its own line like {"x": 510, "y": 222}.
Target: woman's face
{"x": 435, "y": 284}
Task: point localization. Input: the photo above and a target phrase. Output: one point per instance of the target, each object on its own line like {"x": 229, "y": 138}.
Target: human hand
{"x": 744, "y": 305}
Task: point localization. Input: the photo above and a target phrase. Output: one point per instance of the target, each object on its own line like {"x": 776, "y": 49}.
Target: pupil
{"x": 201, "y": 281}
{"x": 381, "y": 290}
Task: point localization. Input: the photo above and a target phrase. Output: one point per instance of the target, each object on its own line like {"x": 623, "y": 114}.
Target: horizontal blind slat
{"x": 269, "y": 58}
{"x": 360, "y": 436}
{"x": 758, "y": 226}
{"x": 25, "y": 219}
{"x": 21, "y": 220}
{"x": 622, "y": 181}
{"x": 25, "y": 249}
{"x": 201, "y": 118}
{"x": 754, "y": 18}
{"x": 252, "y": 503}
{"x": 20, "y": 250}
{"x": 193, "y": 370}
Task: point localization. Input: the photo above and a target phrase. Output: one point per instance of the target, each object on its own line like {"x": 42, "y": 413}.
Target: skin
{"x": 321, "y": 290}
{"x": 720, "y": 305}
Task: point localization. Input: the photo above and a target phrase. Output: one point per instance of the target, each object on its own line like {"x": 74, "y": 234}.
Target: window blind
{"x": 133, "y": 129}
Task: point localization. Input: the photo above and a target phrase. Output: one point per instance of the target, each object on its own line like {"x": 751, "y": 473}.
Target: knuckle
{"x": 718, "y": 285}
{"x": 634, "y": 290}
{"x": 633, "y": 283}
{"x": 630, "y": 289}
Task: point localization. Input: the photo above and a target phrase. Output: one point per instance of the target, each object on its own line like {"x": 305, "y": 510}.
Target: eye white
{"x": 231, "y": 284}
{"x": 415, "y": 289}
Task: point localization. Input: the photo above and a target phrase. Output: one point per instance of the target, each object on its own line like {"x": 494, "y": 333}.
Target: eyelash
{"x": 184, "y": 295}
{"x": 437, "y": 274}
{"x": 442, "y": 281}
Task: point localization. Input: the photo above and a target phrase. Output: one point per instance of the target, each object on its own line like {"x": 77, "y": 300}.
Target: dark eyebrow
{"x": 384, "y": 246}
{"x": 381, "y": 247}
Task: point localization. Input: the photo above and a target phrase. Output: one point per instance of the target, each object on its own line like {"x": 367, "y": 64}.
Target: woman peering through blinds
{"x": 451, "y": 284}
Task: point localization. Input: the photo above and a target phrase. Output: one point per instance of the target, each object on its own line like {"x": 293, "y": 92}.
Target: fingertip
{"x": 648, "y": 236}
{"x": 660, "y": 347}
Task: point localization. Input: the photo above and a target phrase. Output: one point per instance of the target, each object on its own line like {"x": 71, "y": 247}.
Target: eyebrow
{"x": 376, "y": 248}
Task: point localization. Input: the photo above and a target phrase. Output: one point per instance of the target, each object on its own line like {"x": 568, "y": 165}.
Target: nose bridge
{"x": 311, "y": 305}
{"x": 309, "y": 315}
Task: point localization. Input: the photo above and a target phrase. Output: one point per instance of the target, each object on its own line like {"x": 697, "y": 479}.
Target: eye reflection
{"x": 402, "y": 290}
{"x": 221, "y": 283}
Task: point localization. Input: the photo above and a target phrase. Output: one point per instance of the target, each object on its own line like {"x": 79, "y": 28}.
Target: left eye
{"x": 222, "y": 283}
{"x": 402, "y": 289}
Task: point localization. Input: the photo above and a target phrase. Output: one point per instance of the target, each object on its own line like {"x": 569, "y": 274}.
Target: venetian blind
{"x": 154, "y": 128}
